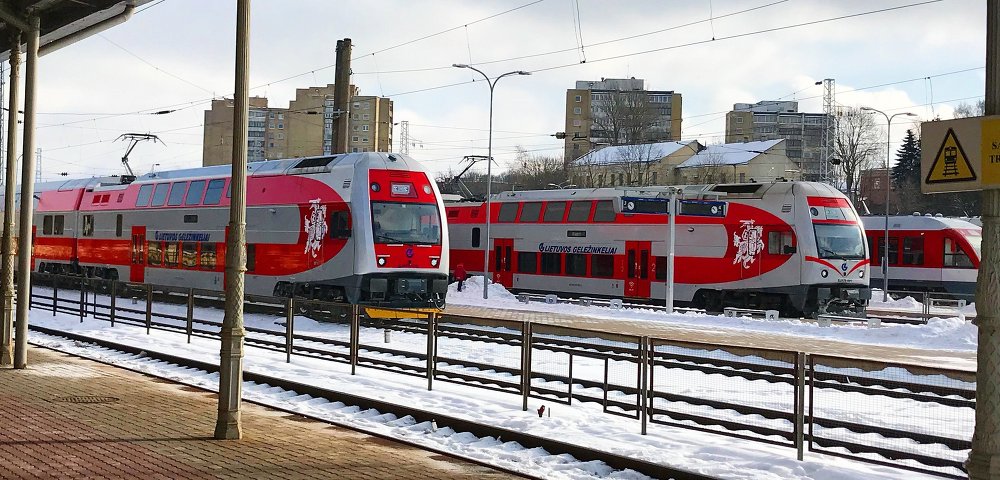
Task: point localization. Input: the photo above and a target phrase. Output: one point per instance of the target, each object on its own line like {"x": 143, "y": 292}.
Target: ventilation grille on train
{"x": 399, "y": 174}
{"x": 786, "y": 208}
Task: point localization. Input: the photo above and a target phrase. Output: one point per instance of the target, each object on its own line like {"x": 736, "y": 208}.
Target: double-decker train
{"x": 362, "y": 227}
{"x": 926, "y": 254}
{"x": 793, "y": 246}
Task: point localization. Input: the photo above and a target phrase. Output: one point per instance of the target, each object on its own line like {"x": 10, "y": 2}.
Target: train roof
{"x": 916, "y": 222}
{"x": 290, "y": 166}
{"x": 711, "y": 191}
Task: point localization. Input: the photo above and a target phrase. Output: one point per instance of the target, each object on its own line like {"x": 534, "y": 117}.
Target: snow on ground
{"x": 581, "y": 423}
{"x": 946, "y": 333}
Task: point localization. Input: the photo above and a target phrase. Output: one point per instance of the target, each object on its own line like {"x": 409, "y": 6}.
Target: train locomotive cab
{"x": 403, "y": 250}
{"x": 835, "y": 256}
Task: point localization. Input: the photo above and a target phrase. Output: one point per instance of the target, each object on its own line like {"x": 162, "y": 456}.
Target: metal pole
{"x": 228, "y": 425}
{"x": 888, "y": 184}
{"x": 27, "y": 198}
{"x": 489, "y": 192}
{"x": 984, "y": 459}
{"x": 10, "y": 179}
{"x": 670, "y": 252}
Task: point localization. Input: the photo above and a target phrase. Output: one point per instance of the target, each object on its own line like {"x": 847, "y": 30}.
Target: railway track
{"x": 553, "y": 447}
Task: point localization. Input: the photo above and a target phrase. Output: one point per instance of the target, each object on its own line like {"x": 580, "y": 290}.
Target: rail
{"x": 751, "y": 393}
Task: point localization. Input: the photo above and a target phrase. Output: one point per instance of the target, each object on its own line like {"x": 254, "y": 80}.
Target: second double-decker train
{"x": 362, "y": 227}
{"x": 797, "y": 247}
{"x": 926, "y": 254}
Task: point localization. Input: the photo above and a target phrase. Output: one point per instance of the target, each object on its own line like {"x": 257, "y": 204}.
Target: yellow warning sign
{"x": 950, "y": 164}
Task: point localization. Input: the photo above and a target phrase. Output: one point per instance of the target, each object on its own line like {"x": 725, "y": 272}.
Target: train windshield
{"x": 839, "y": 241}
{"x": 413, "y": 223}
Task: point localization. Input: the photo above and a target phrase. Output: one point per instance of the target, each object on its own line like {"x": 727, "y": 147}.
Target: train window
{"x": 214, "y": 192}
{"x": 530, "y": 212}
{"x": 954, "y": 256}
{"x": 194, "y": 192}
{"x": 58, "y": 223}
{"x": 159, "y": 195}
{"x": 145, "y": 192}
{"x": 475, "y": 237}
{"x": 177, "y": 194}
{"x": 118, "y": 225}
{"x": 554, "y": 212}
{"x": 251, "y": 257}
{"x": 661, "y": 268}
{"x": 576, "y": 264}
{"x": 602, "y": 266}
{"x": 189, "y": 255}
{"x": 551, "y": 263}
{"x": 229, "y": 190}
{"x": 88, "y": 226}
{"x": 913, "y": 250}
{"x": 605, "y": 211}
{"x": 508, "y": 212}
{"x": 644, "y": 264}
{"x": 155, "y": 254}
{"x": 47, "y": 225}
{"x": 893, "y": 249}
{"x": 527, "y": 262}
{"x": 579, "y": 211}
{"x": 780, "y": 243}
{"x": 208, "y": 256}
{"x": 170, "y": 254}
{"x": 497, "y": 258}
{"x": 340, "y": 224}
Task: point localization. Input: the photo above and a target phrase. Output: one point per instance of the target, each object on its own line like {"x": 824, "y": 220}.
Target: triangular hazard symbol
{"x": 950, "y": 164}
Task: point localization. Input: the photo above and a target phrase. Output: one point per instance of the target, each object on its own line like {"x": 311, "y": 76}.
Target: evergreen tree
{"x": 906, "y": 171}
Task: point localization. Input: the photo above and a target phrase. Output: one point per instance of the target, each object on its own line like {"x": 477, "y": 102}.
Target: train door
{"x": 503, "y": 256}
{"x": 137, "y": 268}
{"x": 638, "y": 269}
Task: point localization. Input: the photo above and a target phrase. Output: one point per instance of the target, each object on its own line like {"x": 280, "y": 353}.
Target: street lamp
{"x": 885, "y": 255}
{"x": 489, "y": 170}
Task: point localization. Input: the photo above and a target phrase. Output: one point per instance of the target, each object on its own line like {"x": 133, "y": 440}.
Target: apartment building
{"x": 591, "y": 103}
{"x": 303, "y": 129}
{"x": 774, "y": 119}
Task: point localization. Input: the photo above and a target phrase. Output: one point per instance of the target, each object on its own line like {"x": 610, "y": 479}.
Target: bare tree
{"x": 636, "y": 161}
{"x": 858, "y": 146}
{"x": 965, "y": 110}
{"x": 625, "y": 118}
{"x": 534, "y": 171}
{"x": 713, "y": 169}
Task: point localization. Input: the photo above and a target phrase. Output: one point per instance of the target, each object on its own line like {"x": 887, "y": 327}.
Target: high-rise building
{"x": 598, "y": 111}
{"x": 774, "y": 119}
{"x": 303, "y": 129}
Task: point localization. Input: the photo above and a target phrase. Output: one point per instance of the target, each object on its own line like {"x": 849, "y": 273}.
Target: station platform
{"x": 964, "y": 360}
{"x": 66, "y": 417}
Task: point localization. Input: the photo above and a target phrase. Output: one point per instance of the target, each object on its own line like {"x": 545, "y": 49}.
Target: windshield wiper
{"x": 391, "y": 239}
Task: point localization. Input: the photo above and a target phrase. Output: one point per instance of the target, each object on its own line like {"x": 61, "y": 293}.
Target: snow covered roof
{"x": 729, "y": 153}
{"x": 630, "y": 153}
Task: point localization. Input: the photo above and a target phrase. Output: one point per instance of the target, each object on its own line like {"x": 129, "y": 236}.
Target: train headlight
{"x": 861, "y": 273}
{"x": 381, "y": 261}
{"x": 824, "y": 273}
{"x": 375, "y": 187}
{"x": 434, "y": 262}
{"x": 427, "y": 189}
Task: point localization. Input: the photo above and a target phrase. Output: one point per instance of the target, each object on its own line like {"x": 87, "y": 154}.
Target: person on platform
{"x": 460, "y": 275}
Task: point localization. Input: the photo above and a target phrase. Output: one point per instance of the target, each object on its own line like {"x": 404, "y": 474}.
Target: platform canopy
{"x": 62, "y": 21}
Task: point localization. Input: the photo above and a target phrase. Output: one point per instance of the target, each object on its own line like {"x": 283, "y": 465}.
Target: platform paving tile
{"x": 153, "y": 429}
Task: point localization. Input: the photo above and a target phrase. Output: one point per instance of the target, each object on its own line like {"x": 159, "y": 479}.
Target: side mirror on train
{"x": 789, "y": 249}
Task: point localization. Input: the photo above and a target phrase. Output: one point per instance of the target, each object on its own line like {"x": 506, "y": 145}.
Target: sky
{"x": 941, "y": 340}
{"x": 925, "y": 58}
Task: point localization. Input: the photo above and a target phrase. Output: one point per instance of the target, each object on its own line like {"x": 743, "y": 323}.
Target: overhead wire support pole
{"x": 984, "y": 458}
{"x": 27, "y": 197}
{"x": 672, "y": 211}
{"x": 228, "y": 424}
{"x": 10, "y": 182}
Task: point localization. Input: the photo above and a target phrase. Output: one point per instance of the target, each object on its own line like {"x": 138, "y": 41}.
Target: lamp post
{"x": 489, "y": 170}
{"x": 888, "y": 152}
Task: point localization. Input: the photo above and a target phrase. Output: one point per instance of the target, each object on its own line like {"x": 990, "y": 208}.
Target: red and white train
{"x": 926, "y": 254}
{"x": 361, "y": 227}
{"x": 794, "y": 246}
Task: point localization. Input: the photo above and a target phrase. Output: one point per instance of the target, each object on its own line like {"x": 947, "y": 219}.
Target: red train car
{"x": 793, "y": 246}
{"x": 926, "y": 254}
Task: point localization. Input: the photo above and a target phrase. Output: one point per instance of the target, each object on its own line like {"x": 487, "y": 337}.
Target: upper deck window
{"x": 194, "y": 192}
{"x": 214, "y": 192}
{"x": 145, "y": 192}
{"x": 177, "y": 194}
{"x": 579, "y": 211}
{"x": 160, "y": 195}
{"x": 508, "y": 212}
{"x": 605, "y": 211}
{"x": 554, "y": 212}
{"x": 530, "y": 211}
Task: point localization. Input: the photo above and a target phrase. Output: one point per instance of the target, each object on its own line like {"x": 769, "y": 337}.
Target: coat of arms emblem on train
{"x": 315, "y": 227}
{"x": 749, "y": 243}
